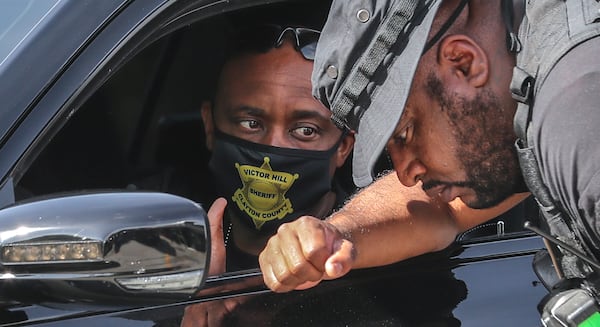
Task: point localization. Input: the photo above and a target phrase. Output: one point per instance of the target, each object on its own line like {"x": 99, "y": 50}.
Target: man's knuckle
{"x": 296, "y": 269}
{"x": 283, "y": 228}
{"x": 274, "y": 285}
{"x": 313, "y": 252}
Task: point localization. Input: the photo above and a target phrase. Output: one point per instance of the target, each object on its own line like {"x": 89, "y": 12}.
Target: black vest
{"x": 549, "y": 30}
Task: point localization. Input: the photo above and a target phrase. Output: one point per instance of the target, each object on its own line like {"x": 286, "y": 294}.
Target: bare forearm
{"x": 388, "y": 222}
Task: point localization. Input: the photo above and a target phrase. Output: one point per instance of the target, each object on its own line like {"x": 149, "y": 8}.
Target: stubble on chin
{"x": 486, "y": 152}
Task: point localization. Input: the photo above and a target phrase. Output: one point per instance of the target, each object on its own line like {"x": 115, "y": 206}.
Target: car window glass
{"x": 140, "y": 130}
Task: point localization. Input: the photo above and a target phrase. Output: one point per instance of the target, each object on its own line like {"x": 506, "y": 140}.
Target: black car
{"x": 103, "y": 181}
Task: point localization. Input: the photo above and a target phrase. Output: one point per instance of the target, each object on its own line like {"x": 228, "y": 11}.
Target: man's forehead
{"x": 278, "y": 65}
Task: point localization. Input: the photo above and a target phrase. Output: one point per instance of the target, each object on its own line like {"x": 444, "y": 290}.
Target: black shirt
{"x": 566, "y": 132}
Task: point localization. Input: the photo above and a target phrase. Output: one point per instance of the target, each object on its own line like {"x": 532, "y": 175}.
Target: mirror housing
{"x": 112, "y": 248}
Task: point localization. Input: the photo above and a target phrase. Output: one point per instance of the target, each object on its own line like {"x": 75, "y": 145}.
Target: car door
{"x": 106, "y": 96}
{"x": 60, "y": 134}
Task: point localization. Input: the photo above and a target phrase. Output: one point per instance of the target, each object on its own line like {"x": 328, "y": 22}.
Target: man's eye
{"x": 304, "y": 132}
{"x": 402, "y": 137}
{"x": 250, "y": 124}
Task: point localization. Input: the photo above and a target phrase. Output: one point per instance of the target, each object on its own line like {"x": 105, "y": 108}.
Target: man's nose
{"x": 407, "y": 165}
{"x": 276, "y": 138}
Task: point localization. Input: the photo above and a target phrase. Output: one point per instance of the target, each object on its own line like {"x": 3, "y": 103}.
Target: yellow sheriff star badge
{"x": 262, "y": 195}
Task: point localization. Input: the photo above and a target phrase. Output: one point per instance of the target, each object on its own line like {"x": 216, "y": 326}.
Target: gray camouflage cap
{"x": 365, "y": 61}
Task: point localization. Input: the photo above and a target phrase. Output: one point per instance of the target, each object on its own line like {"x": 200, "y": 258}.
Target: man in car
{"x": 274, "y": 147}
{"x": 444, "y": 102}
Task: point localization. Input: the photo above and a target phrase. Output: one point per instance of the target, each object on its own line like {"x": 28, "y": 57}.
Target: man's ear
{"x": 464, "y": 59}
{"x": 344, "y": 149}
{"x": 207, "y": 119}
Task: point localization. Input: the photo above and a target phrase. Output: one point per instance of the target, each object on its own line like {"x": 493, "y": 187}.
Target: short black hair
{"x": 298, "y": 13}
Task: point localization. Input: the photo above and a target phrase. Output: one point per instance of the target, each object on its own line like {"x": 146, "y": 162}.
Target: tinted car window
{"x": 137, "y": 129}
{"x": 142, "y": 129}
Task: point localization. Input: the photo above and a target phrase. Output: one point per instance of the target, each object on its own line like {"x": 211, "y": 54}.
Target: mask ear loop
{"x": 345, "y": 132}
{"x": 216, "y": 129}
{"x": 512, "y": 40}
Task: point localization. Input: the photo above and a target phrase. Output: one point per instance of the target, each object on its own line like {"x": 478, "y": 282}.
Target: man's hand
{"x": 212, "y": 313}
{"x": 217, "y": 245}
{"x": 303, "y": 253}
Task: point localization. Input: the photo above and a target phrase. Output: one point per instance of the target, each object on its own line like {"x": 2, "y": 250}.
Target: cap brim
{"x": 387, "y": 103}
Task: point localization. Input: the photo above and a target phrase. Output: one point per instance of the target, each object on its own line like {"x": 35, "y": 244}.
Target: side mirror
{"x": 110, "y": 248}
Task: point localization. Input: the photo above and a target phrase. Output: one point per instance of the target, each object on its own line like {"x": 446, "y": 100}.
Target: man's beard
{"x": 483, "y": 131}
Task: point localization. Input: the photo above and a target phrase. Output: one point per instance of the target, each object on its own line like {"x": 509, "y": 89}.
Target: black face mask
{"x": 269, "y": 185}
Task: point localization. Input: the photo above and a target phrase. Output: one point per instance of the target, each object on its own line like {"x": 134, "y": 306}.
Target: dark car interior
{"x": 144, "y": 122}
{"x": 142, "y": 129}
